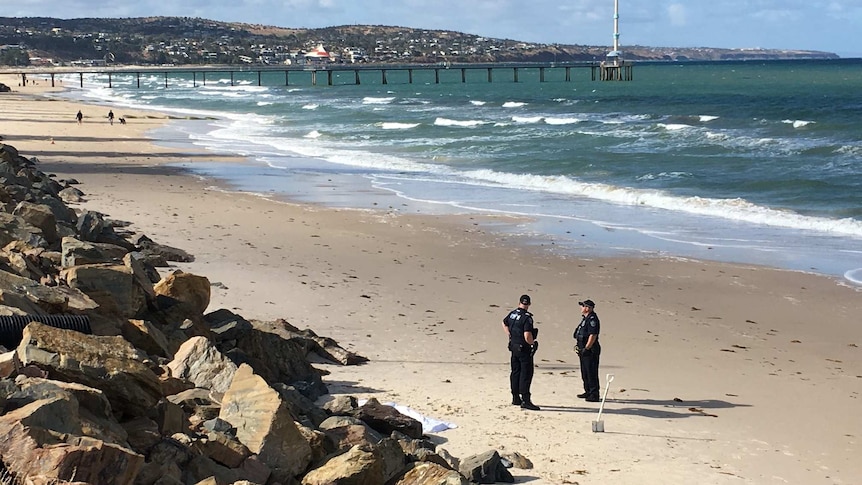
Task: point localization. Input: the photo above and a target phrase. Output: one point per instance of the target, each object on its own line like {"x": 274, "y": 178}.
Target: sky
{"x": 821, "y": 25}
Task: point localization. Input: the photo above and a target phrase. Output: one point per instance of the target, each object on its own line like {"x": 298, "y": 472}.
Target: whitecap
{"x": 311, "y": 106}
{"x": 373, "y": 100}
{"x": 526, "y": 119}
{"x": 464, "y": 123}
{"x": 513, "y": 104}
{"x": 674, "y": 126}
{"x": 398, "y": 126}
{"x": 707, "y": 118}
{"x": 797, "y": 123}
{"x": 477, "y": 103}
{"x": 313, "y": 134}
{"x": 562, "y": 121}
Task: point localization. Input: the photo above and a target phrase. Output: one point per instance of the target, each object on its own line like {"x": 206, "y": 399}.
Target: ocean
{"x": 745, "y": 162}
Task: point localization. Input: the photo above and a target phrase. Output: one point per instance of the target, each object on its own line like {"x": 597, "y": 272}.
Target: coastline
{"x": 751, "y": 353}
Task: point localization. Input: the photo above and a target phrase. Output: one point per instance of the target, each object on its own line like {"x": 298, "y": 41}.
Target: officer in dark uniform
{"x": 588, "y": 349}
{"x": 518, "y": 325}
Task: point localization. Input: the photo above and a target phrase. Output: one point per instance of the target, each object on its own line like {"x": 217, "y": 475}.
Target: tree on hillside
{"x": 14, "y": 57}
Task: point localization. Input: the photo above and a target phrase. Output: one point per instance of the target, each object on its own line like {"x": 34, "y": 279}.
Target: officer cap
{"x": 589, "y": 303}
{"x": 525, "y": 299}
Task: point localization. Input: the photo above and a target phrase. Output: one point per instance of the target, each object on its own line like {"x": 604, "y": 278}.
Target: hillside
{"x": 183, "y": 40}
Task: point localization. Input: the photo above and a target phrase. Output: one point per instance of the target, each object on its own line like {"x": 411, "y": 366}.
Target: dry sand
{"x": 723, "y": 373}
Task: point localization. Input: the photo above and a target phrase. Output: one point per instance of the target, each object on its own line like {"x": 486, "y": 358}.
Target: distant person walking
{"x": 111, "y": 117}
{"x": 518, "y": 325}
{"x": 79, "y": 117}
{"x": 588, "y": 349}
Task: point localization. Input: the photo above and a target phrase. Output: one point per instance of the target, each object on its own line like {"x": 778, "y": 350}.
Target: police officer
{"x": 588, "y": 349}
{"x": 518, "y": 325}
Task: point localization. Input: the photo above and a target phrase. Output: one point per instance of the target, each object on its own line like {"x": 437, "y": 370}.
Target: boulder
{"x": 360, "y": 465}
{"x": 485, "y": 468}
{"x": 280, "y": 360}
{"x": 107, "y": 363}
{"x": 32, "y": 297}
{"x": 422, "y": 473}
{"x": 29, "y": 448}
{"x": 41, "y": 216}
{"x": 200, "y": 362}
{"x": 386, "y": 419}
{"x": 264, "y": 424}
{"x": 75, "y": 252}
{"x": 112, "y": 286}
{"x": 190, "y": 289}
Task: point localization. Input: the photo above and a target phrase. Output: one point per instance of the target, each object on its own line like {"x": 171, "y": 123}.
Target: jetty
{"x": 327, "y": 74}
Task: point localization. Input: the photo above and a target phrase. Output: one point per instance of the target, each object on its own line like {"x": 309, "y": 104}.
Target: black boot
{"x": 526, "y": 403}
{"x": 516, "y": 400}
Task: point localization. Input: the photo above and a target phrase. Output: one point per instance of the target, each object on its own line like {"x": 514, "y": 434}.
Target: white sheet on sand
{"x": 429, "y": 425}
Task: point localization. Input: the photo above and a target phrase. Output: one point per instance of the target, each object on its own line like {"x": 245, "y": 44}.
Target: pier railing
{"x": 332, "y": 73}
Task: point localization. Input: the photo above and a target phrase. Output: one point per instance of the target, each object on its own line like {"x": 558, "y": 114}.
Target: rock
{"x": 200, "y": 362}
{"x": 223, "y": 449}
{"x": 264, "y": 424}
{"x": 71, "y": 194}
{"x": 143, "y": 433}
{"x": 341, "y": 405}
{"x": 41, "y": 216}
{"x": 485, "y": 468}
{"x": 107, "y": 363}
{"x": 360, "y": 465}
{"x": 424, "y": 473}
{"x": 518, "y": 460}
{"x": 112, "y": 286}
{"x": 387, "y": 419}
{"x": 14, "y": 228}
{"x": 75, "y": 252}
{"x": 226, "y": 325}
{"x": 28, "y": 449}
{"x": 9, "y": 364}
{"x": 151, "y": 249}
{"x": 280, "y": 361}
{"x": 34, "y": 298}
{"x": 187, "y": 288}
{"x": 146, "y": 336}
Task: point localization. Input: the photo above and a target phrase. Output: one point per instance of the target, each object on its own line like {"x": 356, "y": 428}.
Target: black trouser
{"x": 590, "y": 370}
{"x": 522, "y": 373}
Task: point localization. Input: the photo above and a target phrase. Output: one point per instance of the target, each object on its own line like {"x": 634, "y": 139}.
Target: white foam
{"x": 375, "y": 100}
{"x": 462, "y": 123}
{"x": 526, "y": 119}
{"x": 854, "y": 276}
{"x": 313, "y": 134}
{"x": 733, "y": 209}
{"x": 513, "y": 104}
{"x": 707, "y": 118}
{"x": 398, "y": 126}
{"x": 477, "y": 103}
{"x": 562, "y": 121}
{"x": 674, "y": 126}
{"x": 797, "y": 123}
{"x": 310, "y": 106}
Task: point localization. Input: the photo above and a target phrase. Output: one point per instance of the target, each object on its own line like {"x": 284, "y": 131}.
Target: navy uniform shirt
{"x": 589, "y": 325}
{"x": 519, "y": 321}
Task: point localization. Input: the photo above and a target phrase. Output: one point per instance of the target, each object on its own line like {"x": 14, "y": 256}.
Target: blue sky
{"x": 825, "y": 25}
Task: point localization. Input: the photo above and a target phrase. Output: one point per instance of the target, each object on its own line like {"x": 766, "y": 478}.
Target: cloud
{"x": 677, "y": 14}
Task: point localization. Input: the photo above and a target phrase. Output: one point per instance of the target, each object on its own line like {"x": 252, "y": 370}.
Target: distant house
{"x": 317, "y": 56}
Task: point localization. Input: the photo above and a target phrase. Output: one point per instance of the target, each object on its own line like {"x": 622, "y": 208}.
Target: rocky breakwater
{"x": 147, "y": 388}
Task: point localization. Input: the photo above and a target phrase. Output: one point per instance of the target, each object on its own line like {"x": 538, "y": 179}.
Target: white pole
{"x": 616, "y": 26}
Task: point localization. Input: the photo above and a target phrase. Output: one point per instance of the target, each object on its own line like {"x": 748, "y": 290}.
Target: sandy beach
{"x": 723, "y": 373}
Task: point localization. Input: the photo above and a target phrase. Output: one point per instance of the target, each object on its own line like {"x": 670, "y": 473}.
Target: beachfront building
{"x": 317, "y": 57}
